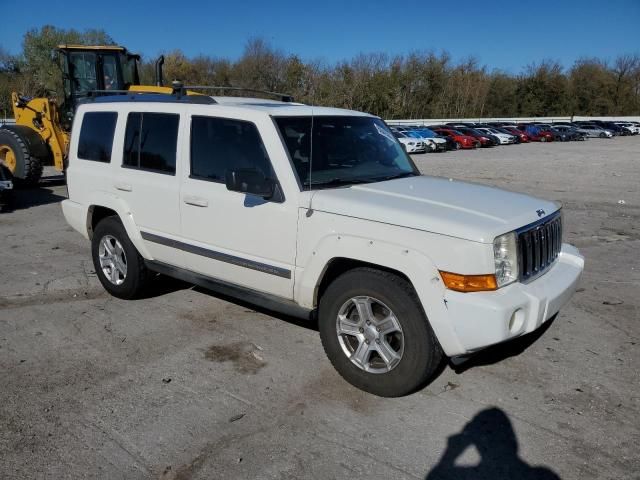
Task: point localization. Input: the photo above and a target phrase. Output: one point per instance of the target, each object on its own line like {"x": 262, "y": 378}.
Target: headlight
{"x": 411, "y": 143}
{"x": 505, "y": 256}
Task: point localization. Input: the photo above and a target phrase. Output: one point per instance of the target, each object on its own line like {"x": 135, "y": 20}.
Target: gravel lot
{"x": 190, "y": 385}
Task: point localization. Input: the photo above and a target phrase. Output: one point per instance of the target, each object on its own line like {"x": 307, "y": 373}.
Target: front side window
{"x": 110, "y": 72}
{"x": 343, "y": 150}
{"x": 83, "y": 71}
{"x": 220, "y": 144}
{"x": 96, "y": 136}
{"x": 150, "y": 141}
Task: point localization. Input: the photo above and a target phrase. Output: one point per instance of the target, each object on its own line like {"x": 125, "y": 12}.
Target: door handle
{"x": 196, "y": 201}
{"x": 125, "y": 187}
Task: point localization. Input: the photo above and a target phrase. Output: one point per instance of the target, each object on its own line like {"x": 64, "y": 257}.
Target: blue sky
{"x": 502, "y": 34}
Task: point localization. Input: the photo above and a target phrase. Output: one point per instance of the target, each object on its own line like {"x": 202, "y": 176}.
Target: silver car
{"x": 595, "y": 131}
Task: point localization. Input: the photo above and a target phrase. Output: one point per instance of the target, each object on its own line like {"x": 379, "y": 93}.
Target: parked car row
{"x": 469, "y": 135}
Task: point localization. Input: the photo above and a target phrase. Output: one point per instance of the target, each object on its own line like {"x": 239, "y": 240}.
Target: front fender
{"x": 415, "y": 265}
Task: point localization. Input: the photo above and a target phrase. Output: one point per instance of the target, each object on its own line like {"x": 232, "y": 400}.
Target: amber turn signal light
{"x": 469, "y": 283}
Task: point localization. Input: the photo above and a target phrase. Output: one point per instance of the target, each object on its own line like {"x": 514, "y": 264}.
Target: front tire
{"x": 119, "y": 266}
{"x": 375, "y": 333}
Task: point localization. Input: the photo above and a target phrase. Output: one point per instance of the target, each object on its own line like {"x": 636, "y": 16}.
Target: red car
{"x": 524, "y": 138}
{"x": 536, "y": 134}
{"x": 462, "y": 140}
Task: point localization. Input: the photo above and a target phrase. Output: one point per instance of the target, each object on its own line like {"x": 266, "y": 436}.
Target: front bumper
{"x": 485, "y": 318}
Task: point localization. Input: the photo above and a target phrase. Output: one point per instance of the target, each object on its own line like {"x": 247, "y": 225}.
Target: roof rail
{"x": 146, "y": 96}
{"x": 282, "y": 96}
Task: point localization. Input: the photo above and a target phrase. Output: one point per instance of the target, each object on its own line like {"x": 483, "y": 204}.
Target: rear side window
{"x": 96, "y": 136}
{"x": 150, "y": 142}
{"x": 220, "y": 144}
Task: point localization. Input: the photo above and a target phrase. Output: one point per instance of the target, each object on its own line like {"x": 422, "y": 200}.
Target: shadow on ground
{"x": 492, "y": 434}
{"x": 163, "y": 285}
{"x": 21, "y": 198}
{"x": 502, "y": 351}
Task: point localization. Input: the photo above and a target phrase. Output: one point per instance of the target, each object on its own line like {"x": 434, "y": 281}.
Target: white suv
{"x": 317, "y": 212}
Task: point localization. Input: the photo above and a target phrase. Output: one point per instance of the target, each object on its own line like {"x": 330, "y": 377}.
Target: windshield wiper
{"x": 399, "y": 175}
{"x": 337, "y": 181}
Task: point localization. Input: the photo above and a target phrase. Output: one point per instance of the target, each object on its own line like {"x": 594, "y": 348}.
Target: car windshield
{"x": 343, "y": 150}
{"x": 426, "y": 133}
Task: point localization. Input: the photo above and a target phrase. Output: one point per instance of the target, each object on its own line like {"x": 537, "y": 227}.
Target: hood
{"x": 448, "y": 207}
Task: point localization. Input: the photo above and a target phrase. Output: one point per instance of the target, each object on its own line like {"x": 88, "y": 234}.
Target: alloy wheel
{"x": 370, "y": 334}
{"x": 113, "y": 260}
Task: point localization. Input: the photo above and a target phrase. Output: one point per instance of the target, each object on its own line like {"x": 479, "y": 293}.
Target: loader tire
{"x": 15, "y": 156}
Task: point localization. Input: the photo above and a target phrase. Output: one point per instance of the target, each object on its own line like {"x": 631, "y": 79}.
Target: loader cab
{"x": 86, "y": 69}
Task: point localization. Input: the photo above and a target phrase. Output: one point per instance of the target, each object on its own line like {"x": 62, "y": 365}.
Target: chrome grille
{"x": 539, "y": 245}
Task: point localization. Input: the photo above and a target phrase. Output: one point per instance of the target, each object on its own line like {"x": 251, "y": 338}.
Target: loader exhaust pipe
{"x": 159, "y": 64}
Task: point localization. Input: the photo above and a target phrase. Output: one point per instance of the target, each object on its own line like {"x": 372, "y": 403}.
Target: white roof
{"x": 283, "y": 109}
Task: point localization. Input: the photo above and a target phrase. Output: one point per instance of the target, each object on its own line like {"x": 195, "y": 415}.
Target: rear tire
{"x": 119, "y": 266}
{"x": 457, "y": 146}
{"x": 413, "y": 342}
{"x": 14, "y": 154}
{"x": 543, "y": 139}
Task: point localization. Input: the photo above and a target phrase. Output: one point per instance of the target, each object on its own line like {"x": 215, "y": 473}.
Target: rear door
{"x": 146, "y": 178}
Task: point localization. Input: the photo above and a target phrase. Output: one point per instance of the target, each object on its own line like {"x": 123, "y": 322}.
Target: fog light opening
{"x": 516, "y": 321}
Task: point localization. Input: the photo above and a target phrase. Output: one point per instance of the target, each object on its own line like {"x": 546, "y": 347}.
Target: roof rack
{"x": 179, "y": 93}
{"x": 177, "y": 96}
{"x": 282, "y": 96}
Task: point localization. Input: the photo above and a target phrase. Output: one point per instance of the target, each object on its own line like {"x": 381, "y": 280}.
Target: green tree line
{"x": 415, "y": 85}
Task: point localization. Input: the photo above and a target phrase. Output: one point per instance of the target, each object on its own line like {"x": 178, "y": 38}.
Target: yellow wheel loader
{"x": 40, "y": 135}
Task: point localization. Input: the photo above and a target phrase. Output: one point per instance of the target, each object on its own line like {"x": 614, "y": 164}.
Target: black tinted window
{"x": 220, "y": 144}
{"x": 345, "y": 149}
{"x": 96, "y": 136}
{"x": 150, "y": 141}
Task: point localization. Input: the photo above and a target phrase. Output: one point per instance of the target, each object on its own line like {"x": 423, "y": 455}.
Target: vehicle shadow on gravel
{"x": 311, "y": 324}
{"x": 493, "y": 436}
{"x": 21, "y": 198}
{"x": 502, "y": 351}
{"x": 163, "y": 285}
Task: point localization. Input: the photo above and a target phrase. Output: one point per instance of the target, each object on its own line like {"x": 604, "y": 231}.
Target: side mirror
{"x": 250, "y": 181}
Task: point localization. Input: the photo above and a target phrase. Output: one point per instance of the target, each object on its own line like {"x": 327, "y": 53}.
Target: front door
{"x": 230, "y": 236}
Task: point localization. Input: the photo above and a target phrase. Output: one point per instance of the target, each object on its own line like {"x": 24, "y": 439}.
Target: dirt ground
{"x": 187, "y": 384}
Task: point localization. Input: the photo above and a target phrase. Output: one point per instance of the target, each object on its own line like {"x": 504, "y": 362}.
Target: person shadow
{"x": 492, "y": 434}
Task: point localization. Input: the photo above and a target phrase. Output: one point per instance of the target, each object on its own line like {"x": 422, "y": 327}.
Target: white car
{"x": 319, "y": 213}
{"x": 504, "y": 138}
{"x": 411, "y": 145}
{"x": 635, "y": 129}
{"x": 430, "y": 139}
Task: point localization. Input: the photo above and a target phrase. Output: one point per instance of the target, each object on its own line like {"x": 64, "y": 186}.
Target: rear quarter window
{"x": 96, "y": 136}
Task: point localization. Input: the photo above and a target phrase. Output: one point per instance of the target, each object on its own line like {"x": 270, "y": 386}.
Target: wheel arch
{"x": 340, "y": 265}
{"x": 100, "y": 210}
{"x": 95, "y": 213}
